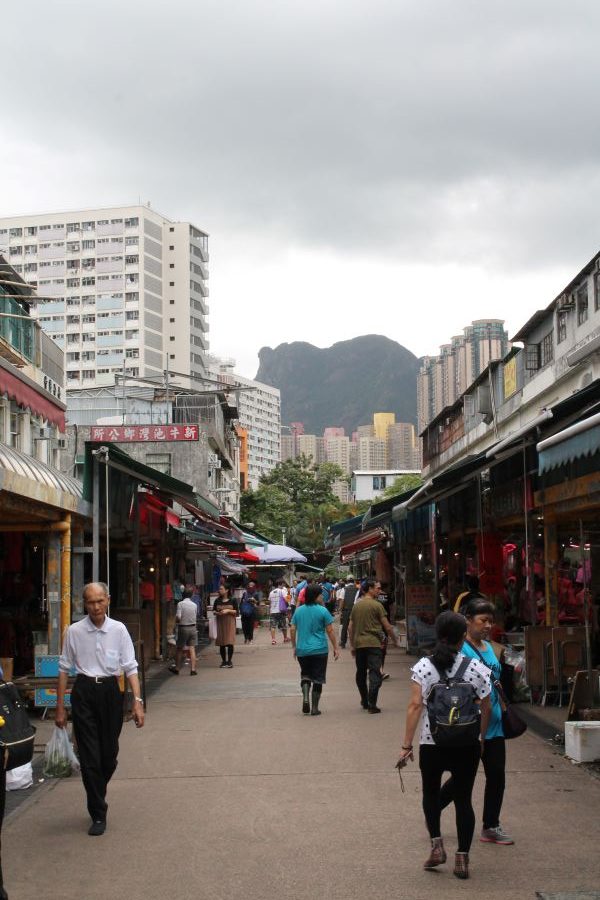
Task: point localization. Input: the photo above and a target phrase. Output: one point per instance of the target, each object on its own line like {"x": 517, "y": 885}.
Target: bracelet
{"x": 406, "y": 748}
{"x": 139, "y": 699}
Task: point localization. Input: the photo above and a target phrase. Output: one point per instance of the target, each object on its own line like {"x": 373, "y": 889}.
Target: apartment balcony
{"x": 111, "y": 359}
{"x": 51, "y": 290}
{"x": 117, "y": 321}
{"x": 111, "y": 247}
{"x": 52, "y": 309}
{"x": 73, "y": 366}
{"x": 104, "y": 304}
{"x": 109, "y": 340}
{"x": 109, "y": 229}
{"x": 104, "y": 267}
{"x": 50, "y": 327}
{"x": 45, "y": 253}
{"x": 73, "y": 328}
{"x": 88, "y": 308}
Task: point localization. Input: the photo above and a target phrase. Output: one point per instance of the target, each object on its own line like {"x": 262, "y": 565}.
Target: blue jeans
{"x": 368, "y": 674}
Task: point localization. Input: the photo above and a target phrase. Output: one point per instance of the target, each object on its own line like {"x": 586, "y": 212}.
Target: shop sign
{"x": 420, "y": 616}
{"x": 510, "y": 378}
{"x": 124, "y": 434}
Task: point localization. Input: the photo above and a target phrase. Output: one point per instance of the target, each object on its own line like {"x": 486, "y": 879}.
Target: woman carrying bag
{"x": 479, "y": 614}
{"x": 447, "y": 666}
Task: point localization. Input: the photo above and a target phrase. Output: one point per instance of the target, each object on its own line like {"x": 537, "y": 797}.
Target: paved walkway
{"x": 229, "y": 792}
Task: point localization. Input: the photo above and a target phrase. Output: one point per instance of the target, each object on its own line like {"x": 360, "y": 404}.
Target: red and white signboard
{"x": 123, "y": 434}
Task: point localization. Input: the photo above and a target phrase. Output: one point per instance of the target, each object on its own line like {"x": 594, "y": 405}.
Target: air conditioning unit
{"x": 566, "y": 302}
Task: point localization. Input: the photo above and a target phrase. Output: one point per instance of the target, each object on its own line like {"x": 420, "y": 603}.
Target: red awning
{"x": 24, "y": 395}
{"x": 364, "y": 542}
{"x": 244, "y": 555}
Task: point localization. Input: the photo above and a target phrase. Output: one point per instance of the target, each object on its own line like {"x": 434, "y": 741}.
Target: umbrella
{"x": 245, "y": 556}
{"x": 279, "y": 553}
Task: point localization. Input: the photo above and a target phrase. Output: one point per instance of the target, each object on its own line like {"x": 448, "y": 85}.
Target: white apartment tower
{"x": 259, "y": 410}
{"x": 121, "y": 290}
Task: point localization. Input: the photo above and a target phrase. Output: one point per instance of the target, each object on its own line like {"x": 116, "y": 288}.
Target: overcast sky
{"x": 362, "y": 166}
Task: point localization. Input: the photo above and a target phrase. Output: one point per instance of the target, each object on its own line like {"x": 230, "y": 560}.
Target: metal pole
{"x": 107, "y": 524}
{"x": 586, "y": 614}
{"x": 96, "y": 520}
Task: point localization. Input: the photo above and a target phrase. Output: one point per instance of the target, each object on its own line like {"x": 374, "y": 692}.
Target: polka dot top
{"x": 426, "y": 675}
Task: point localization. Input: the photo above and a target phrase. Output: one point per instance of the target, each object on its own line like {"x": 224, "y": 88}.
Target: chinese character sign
{"x": 123, "y": 434}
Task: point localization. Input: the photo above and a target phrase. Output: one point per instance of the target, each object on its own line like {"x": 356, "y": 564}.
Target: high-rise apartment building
{"x": 259, "y": 410}
{"x": 444, "y": 378}
{"x": 122, "y": 290}
{"x": 311, "y": 445}
{"x": 372, "y": 453}
{"x": 402, "y": 446}
{"x": 381, "y": 423}
{"x": 337, "y": 451}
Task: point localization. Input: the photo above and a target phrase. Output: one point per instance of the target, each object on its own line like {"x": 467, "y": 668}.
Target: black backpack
{"x": 16, "y": 731}
{"x": 454, "y": 714}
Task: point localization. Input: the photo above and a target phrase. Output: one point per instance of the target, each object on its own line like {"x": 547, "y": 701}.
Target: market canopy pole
{"x": 586, "y": 615}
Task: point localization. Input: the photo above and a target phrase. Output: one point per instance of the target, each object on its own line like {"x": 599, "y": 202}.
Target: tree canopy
{"x": 400, "y": 485}
{"x": 295, "y": 499}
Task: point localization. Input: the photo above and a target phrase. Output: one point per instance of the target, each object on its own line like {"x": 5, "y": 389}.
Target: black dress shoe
{"x": 374, "y": 709}
{"x": 97, "y": 827}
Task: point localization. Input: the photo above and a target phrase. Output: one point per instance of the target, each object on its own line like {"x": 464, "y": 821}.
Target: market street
{"x": 229, "y": 792}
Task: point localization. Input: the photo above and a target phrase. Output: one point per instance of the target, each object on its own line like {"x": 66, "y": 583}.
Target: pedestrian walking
{"x": 225, "y": 609}
{"x": 100, "y": 649}
{"x": 311, "y": 625}
{"x": 347, "y": 602}
{"x": 248, "y": 612}
{"x": 368, "y": 623}
{"x": 461, "y": 760}
{"x": 186, "y": 616}
{"x": 479, "y": 614}
{"x": 278, "y": 607}
{"x": 328, "y": 594}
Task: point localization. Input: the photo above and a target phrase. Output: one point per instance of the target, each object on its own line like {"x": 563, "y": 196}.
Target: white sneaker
{"x": 495, "y": 835}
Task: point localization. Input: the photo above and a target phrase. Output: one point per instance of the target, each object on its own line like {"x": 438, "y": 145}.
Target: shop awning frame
{"x": 572, "y": 443}
{"x": 366, "y": 542}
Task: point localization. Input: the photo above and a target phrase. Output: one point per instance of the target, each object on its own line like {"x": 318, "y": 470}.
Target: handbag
{"x": 513, "y": 725}
{"x": 17, "y": 734}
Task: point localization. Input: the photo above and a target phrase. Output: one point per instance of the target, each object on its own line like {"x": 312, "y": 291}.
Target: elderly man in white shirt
{"x": 99, "y": 648}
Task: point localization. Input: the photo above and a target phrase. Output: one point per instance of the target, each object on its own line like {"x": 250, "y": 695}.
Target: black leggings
{"x": 462, "y": 763}
{"x": 226, "y": 651}
{"x": 248, "y": 627}
{"x": 494, "y": 764}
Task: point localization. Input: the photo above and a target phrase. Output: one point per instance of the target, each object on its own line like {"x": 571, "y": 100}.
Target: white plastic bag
{"x": 60, "y": 759}
{"x": 19, "y": 778}
{"x": 212, "y": 628}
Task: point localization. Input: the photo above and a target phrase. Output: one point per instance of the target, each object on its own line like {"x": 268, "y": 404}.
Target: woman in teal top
{"x": 479, "y": 614}
{"x": 311, "y": 625}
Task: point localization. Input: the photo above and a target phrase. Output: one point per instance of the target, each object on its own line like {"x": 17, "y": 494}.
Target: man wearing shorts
{"x": 278, "y": 612}
{"x": 187, "y": 634}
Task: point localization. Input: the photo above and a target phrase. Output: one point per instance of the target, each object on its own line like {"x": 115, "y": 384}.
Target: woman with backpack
{"x": 449, "y": 708}
{"x": 479, "y": 614}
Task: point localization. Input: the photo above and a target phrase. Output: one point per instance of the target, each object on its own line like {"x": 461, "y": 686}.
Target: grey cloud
{"x": 420, "y": 131}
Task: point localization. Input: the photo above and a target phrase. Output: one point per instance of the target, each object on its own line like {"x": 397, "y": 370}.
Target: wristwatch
{"x": 139, "y": 699}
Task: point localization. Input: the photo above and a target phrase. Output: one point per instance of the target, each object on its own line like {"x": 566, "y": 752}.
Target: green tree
{"x": 400, "y": 485}
{"x": 296, "y": 498}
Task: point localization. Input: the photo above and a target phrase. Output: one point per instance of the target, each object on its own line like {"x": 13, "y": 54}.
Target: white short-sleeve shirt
{"x": 426, "y": 675}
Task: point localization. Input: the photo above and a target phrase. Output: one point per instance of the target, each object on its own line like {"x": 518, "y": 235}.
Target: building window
{"x": 581, "y": 299}
{"x": 547, "y": 349}
{"x": 31, "y": 231}
{"x": 171, "y": 338}
{"x": 532, "y": 357}
{"x": 171, "y": 265}
{"x": 159, "y": 461}
{"x": 561, "y": 326}
{"x": 171, "y": 320}
{"x": 171, "y": 246}
{"x": 171, "y": 284}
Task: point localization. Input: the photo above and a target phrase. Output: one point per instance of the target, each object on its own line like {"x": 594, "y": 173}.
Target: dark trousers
{"x": 97, "y": 722}
{"x": 344, "y": 621}
{"x": 368, "y": 663}
{"x": 494, "y": 764}
{"x": 462, "y": 763}
{"x": 226, "y": 651}
{"x": 2, "y": 805}
{"x": 248, "y": 627}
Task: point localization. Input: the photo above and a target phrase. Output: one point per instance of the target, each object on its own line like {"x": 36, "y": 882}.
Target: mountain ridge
{"x": 344, "y": 384}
